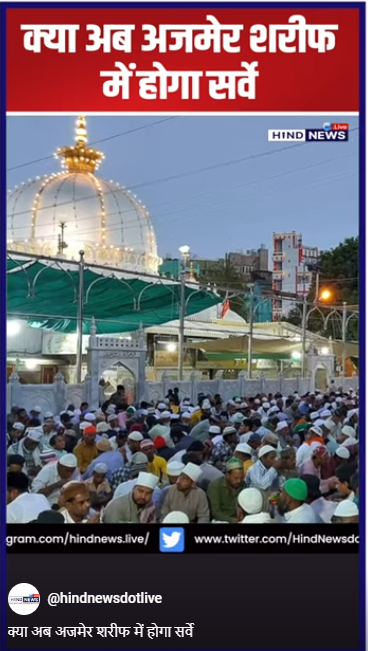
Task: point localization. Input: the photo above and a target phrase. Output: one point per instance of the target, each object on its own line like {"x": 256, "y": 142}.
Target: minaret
{"x": 80, "y": 157}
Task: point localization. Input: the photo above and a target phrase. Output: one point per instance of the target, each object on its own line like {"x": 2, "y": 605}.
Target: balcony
{"x": 278, "y": 257}
{"x": 277, "y": 275}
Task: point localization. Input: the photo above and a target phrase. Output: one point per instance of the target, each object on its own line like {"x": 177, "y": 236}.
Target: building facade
{"x": 294, "y": 264}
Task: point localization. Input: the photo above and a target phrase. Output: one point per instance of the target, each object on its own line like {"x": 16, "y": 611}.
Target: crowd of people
{"x": 262, "y": 459}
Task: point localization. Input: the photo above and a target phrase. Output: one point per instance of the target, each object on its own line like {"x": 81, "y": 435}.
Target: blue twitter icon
{"x": 172, "y": 540}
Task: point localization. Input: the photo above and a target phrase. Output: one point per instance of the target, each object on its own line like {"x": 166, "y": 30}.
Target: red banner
{"x": 182, "y": 60}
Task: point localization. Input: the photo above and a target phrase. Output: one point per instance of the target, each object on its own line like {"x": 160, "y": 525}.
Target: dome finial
{"x": 81, "y": 131}
{"x": 80, "y": 157}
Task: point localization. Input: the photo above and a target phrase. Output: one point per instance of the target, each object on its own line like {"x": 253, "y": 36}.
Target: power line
{"x": 95, "y": 142}
{"x": 248, "y": 183}
{"x": 135, "y": 224}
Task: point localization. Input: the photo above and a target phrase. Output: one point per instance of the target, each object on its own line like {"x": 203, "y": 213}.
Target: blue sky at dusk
{"x": 249, "y": 191}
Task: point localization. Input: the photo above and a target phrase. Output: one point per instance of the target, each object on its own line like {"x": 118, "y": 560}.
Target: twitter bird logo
{"x": 172, "y": 540}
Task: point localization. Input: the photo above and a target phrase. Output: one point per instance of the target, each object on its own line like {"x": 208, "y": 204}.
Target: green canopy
{"x": 47, "y": 296}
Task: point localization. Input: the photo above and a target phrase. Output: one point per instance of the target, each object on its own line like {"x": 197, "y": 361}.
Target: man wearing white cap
{"x": 223, "y": 451}
{"x": 16, "y": 433}
{"x": 99, "y": 488}
{"x": 35, "y": 412}
{"x": 346, "y": 513}
{"x": 174, "y": 470}
{"x": 244, "y": 452}
{"x": 22, "y": 506}
{"x": 137, "y": 506}
{"x": 250, "y": 504}
{"x": 51, "y": 479}
{"x": 30, "y": 449}
{"x": 347, "y": 432}
{"x": 48, "y": 431}
{"x": 223, "y": 492}
{"x": 264, "y": 474}
{"x": 186, "y": 497}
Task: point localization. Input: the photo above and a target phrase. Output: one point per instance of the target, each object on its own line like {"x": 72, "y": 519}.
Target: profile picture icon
{"x": 24, "y": 599}
{"x": 327, "y": 126}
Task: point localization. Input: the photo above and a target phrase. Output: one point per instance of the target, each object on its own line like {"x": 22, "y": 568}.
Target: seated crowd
{"x": 261, "y": 459}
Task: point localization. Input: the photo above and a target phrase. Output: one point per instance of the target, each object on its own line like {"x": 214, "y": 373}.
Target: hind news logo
{"x": 29, "y": 599}
{"x": 330, "y": 132}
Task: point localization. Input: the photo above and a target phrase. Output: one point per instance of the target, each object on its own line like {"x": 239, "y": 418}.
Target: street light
{"x": 185, "y": 252}
{"x": 325, "y": 295}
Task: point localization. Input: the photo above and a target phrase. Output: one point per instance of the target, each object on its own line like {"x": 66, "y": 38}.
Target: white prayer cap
{"x": 273, "y": 410}
{"x": 165, "y": 415}
{"x": 318, "y": 423}
{"x": 175, "y": 416}
{"x": 273, "y": 402}
{"x": 257, "y": 401}
{"x": 48, "y": 414}
{"x": 192, "y": 471}
{"x": 281, "y": 425}
{"x": 353, "y": 412}
{"x": 69, "y": 461}
{"x": 176, "y": 517}
{"x": 243, "y": 405}
{"x": 34, "y": 435}
{"x": 161, "y": 406}
{"x": 89, "y": 417}
{"x": 316, "y": 430}
{"x": 342, "y": 453}
{"x": 84, "y": 424}
{"x": 339, "y": 399}
{"x": 101, "y": 467}
{"x": 348, "y": 431}
{"x": 250, "y": 500}
{"x": 36, "y": 409}
{"x": 229, "y": 430}
{"x": 147, "y": 480}
{"x": 329, "y": 424}
{"x": 175, "y": 468}
{"x": 135, "y": 436}
{"x": 18, "y": 426}
{"x": 264, "y": 399}
{"x": 102, "y": 428}
{"x": 214, "y": 429}
{"x": 314, "y": 415}
{"x": 325, "y": 413}
{"x": 206, "y": 404}
{"x": 346, "y": 509}
{"x": 265, "y": 449}
{"x": 266, "y": 405}
{"x": 244, "y": 448}
{"x": 237, "y": 418}
{"x": 143, "y": 412}
{"x": 186, "y": 414}
{"x": 350, "y": 442}
{"x": 111, "y": 417}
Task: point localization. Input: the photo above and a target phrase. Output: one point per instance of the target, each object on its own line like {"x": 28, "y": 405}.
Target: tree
{"x": 339, "y": 273}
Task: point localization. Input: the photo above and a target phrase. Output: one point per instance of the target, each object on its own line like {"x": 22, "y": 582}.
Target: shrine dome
{"x": 74, "y": 210}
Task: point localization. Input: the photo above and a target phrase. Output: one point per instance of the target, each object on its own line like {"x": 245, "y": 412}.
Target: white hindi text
{"x": 297, "y": 36}
{"x": 159, "y": 83}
